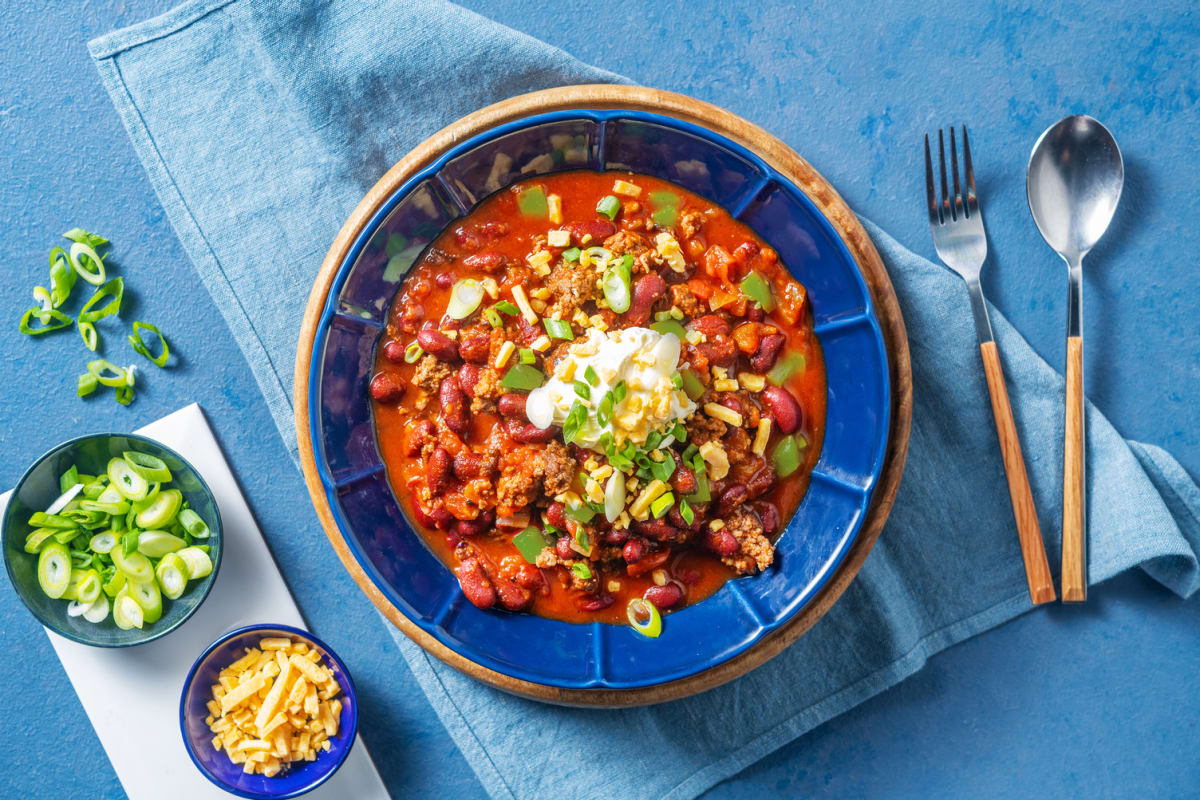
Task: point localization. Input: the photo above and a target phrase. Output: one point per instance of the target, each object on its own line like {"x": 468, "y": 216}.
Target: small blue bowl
{"x": 363, "y": 512}
{"x": 38, "y": 487}
{"x": 302, "y": 776}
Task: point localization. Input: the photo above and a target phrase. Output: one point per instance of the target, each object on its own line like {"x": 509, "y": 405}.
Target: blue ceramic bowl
{"x": 598, "y": 656}
{"x": 38, "y": 488}
{"x": 301, "y": 776}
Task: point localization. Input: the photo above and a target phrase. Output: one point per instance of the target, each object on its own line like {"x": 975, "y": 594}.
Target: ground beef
{"x": 623, "y": 242}
{"x": 569, "y": 290}
{"x": 690, "y": 223}
{"x": 487, "y": 391}
{"x": 527, "y": 472}
{"x": 430, "y": 374}
{"x": 756, "y": 552}
{"x": 702, "y": 428}
{"x": 682, "y": 297}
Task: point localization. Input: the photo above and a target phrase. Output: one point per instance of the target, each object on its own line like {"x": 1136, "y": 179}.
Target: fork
{"x": 958, "y": 236}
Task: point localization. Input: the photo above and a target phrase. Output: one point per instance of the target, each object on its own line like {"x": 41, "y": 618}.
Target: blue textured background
{"x": 1101, "y": 700}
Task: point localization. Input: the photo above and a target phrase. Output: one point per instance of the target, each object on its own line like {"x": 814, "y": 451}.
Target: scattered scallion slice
{"x": 147, "y": 595}
{"x": 156, "y": 544}
{"x": 413, "y": 353}
{"x": 38, "y": 538}
{"x": 590, "y": 376}
{"x": 581, "y": 570}
{"x": 62, "y": 276}
{"x": 614, "y": 496}
{"x": 609, "y": 206}
{"x": 52, "y": 320}
{"x": 692, "y": 385}
{"x": 87, "y": 331}
{"x": 507, "y": 308}
{"x": 558, "y": 329}
{"x": 136, "y": 566}
{"x": 126, "y": 612}
{"x": 784, "y": 368}
{"x": 97, "y": 612}
{"x": 583, "y": 390}
{"x": 617, "y": 291}
{"x": 82, "y": 254}
{"x": 152, "y": 468}
{"x": 102, "y": 542}
{"x": 193, "y": 524}
{"x": 87, "y": 384}
{"x": 573, "y": 424}
{"x": 126, "y": 480}
{"x": 198, "y": 563}
{"x": 686, "y": 511}
{"x": 465, "y": 297}
{"x": 108, "y": 374}
{"x": 662, "y": 504}
{"x": 172, "y": 576}
{"x": 571, "y": 254}
{"x": 492, "y": 317}
{"x": 526, "y": 356}
{"x": 644, "y": 618}
{"x": 54, "y": 569}
{"x": 114, "y": 289}
{"x": 139, "y": 345}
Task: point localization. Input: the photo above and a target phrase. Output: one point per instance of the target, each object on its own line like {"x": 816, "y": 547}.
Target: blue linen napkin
{"x": 262, "y": 122}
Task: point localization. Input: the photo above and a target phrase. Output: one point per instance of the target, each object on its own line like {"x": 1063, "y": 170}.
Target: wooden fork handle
{"x": 1074, "y": 547}
{"x": 1029, "y": 533}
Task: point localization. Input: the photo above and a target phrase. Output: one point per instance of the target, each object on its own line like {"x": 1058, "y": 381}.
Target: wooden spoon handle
{"x": 1074, "y": 545}
{"x": 1029, "y": 533}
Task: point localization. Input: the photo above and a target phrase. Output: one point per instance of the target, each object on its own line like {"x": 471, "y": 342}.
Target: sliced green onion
{"x": 171, "y": 573}
{"x": 41, "y": 295}
{"x": 526, "y": 356}
{"x": 54, "y": 569}
{"x": 609, "y": 206}
{"x": 147, "y": 595}
{"x": 115, "y": 582}
{"x": 619, "y": 392}
{"x": 40, "y": 519}
{"x": 51, "y": 320}
{"x": 126, "y": 480}
{"x": 583, "y": 390}
{"x": 97, "y": 612}
{"x": 193, "y": 523}
{"x": 643, "y": 617}
{"x": 676, "y": 381}
{"x": 703, "y": 493}
{"x": 91, "y": 239}
{"x": 114, "y": 289}
{"x": 617, "y": 290}
{"x": 595, "y": 256}
{"x": 663, "y": 470}
{"x": 87, "y": 331}
{"x": 82, "y": 252}
{"x": 108, "y": 373}
{"x": 692, "y": 385}
{"x": 38, "y": 538}
{"x": 785, "y": 367}
{"x": 571, "y": 254}
{"x": 786, "y": 456}
{"x": 103, "y": 542}
{"x": 412, "y": 353}
{"x": 156, "y": 544}
{"x": 87, "y": 384}
{"x": 523, "y": 377}
{"x": 465, "y": 297}
{"x": 686, "y": 511}
{"x": 115, "y": 508}
{"x": 614, "y": 496}
{"x": 605, "y": 409}
{"x": 590, "y": 376}
{"x": 492, "y": 317}
{"x": 139, "y": 346}
{"x": 88, "y": 587}
{"x": 757, "y": 289}
{"x": 531, "y": 202}
{"x": 135, "y": 565}
{"x": 126, "y": 612}
{"x": 507, "y": 308}
{"x": 581, "y": 570}
{"x": 198, "y": 563}
{"x": 123, "y": 395}
{"x": 150, "y": 467}
{"x": 530, "y": 543}
{"x": 62, "y": 276}
{"x": 669, "y": 326}
{"x": 558, "y": 329}
{"x": 573, "y": 424}
{"x": 662, "y": 504}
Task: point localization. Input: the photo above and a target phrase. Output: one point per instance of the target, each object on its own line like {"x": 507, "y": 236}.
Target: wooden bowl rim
{"x": 777, "y": 155}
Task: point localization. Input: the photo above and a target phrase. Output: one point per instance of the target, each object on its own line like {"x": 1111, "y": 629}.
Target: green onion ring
{"x": 124, "y": 395}
{"x": 412, "y": 353}
{"x": 79, "y": 249}
{"x": 108, "y": 374}
{"x": 152, "y": 468}
{"x": 51, "y": 320}
{"x": 139, "y": 346}
{"x": 88, "y": 332}
{"x": 62, "y": 277}
{"x": 114, "y": 288}
{"x": 41, "y": 295}
{"x": 87, "y": 384}
{"x": 640, "y": 607}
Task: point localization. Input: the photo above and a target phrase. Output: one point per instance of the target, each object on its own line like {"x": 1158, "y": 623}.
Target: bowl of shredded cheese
{"x": 268, "y": 711}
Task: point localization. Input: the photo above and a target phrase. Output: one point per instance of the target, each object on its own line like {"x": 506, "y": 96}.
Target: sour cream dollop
{"x": 644, "y": 359}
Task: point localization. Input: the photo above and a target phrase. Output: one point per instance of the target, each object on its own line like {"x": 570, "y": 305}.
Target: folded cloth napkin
{"x": 261, "y": 124}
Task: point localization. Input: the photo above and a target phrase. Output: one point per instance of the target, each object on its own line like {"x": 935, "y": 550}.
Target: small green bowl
{"x": 38, "y": 488}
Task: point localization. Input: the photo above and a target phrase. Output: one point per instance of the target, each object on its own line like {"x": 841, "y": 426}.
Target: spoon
{"x": 1073, "y": 184}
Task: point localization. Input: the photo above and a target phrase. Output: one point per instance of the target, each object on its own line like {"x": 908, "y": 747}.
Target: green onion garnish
{"x": 108, "y": 373}
{"x": 619, "y": 392}
{"x": 662, "y": 505}
{"x": 465, "y": 297}
{"x": 609, "y": 206}
{"x": 139, "y": 346}
{"x": 590, "y": 376}
{"x": 663, "y": 470}
{"x": 790, "y": 364}
{"x": 583, "y": 390}
{"x": 676, "y": 381}
{"x": 62, "y": 276}
{"x": 571, "y": 254}
{"x": 81, "y": 255}
{"x": 93, "y": 240}
{"x": 527, "y": 356}
{"x": 412, "y": 353}
{"x": 87, "y": 331}
{"x": 114, "y": 289}
{"x": 685, "y": 511}
{"x": 692, "y": 385}
{"x": 573, "y": 424}
{"x": 581, "y": 570}
{"x": 644, "y": 618}
{"x": 668, "y": 326}
{"x": 51, "y": 320}
{"x": 492, "y": 317}
{"x": 605, "y": 409}
{"x": 505, "y": 307}
{"x": 558, "y": 329}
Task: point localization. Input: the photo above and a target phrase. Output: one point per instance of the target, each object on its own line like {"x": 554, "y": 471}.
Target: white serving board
{"x": 131, "y": 694}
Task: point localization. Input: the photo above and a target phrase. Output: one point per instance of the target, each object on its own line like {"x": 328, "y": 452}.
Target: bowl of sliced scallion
{"x": 112, "y": 539}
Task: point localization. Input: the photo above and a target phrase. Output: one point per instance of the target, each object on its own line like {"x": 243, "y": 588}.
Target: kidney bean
{"x": 468, "y": 376}
{"x": 684, "y": 480}
{"x": 512, "y": 405}
{"x": 690, "y": 576}
{"x": 437, "y": 344}
{"x": 720, "y": 350}
{"x": 658, "y": 529}
{"x": 597, "y": 602}
{"x": 410, "y": 318}
{"x": 634, "y": 551}
{"x": 393, "y": 351}
{"x": 556, "y": 515}
{"x": 768, "y": 350}
{"x": 679, "y": 522}
{"x": 646, "y": 291}
{"x": 710, "y": 325}
{"x": 783, "y": 408}
{"x": 485, "y": 262}
{"x": 454, "y": 406}
{"x": 444, "y": 280}
{"x": 468, "y": 466}
{"x": 474, "y": 527}
{"x": 513, "y": 596}
{"x": 731, "y": 402}
{"x": 614, "y": 536}
{"x": 386, "y": 388}
{"x": 721, "y": 542}
{"x": 438, "y": 471}
{"x": 598, "y": 229}
{"x": 665, "y": 596}
{"x": 475, "y": 583}
{"x": 755, "y": 313}
{"x": 529, "y": 577}
{"x": 419, "y": 435}
{"x": 442, "y": 518}
{"x": 476, "y": 349}
{"x": 769, "y": 516}
{"x": 762, "y": 482}
{"x": 528, "y": 433}
{"x": 563, "y": 548}
{"x": 731, "y": 498}
{"x": 422, "y": 516}
{"x": 648, "y": 563}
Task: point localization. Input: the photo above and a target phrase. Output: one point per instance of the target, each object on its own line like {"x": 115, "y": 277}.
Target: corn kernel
{"x": 613, "y": 586}
{"x": 541, "y": 293}
{"x": 659, "y": 576}
{"x": 538, "y": 305}
{"x": 716, "y": 525}
{"x": 725, "y": 385}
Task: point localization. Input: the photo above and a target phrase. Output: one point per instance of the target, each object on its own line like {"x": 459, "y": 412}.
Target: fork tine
{"x": 958, "y": 200}
{"x": 930, "y": 189}
{"x": 942, "y": 170}
{"x": 972, "y": 198}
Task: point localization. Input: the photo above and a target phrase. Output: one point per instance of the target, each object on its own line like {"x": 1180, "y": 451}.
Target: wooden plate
{"x": 777, "y": 155}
